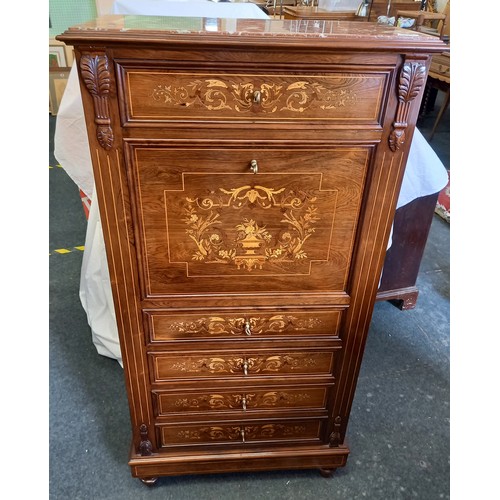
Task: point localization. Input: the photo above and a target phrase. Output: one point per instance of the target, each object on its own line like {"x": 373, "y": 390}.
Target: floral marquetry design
{"x": 222, "y": 220}
{"x": 241, "y": 401}
{"x": 252, "y": 244}
{"x": 210, "y": 402}
{"x": 215, "y": 94}
{"x": 257, "y": 364}
{"x": 274, "y": 431}
{"x": 283, "y": 398}
{"x": 239, "y": 433}
{"x": 242, "y": 365}
{"x": 216, "y": 325}
{"x": 210, "y": 434}
{"x": 231, "y": 401}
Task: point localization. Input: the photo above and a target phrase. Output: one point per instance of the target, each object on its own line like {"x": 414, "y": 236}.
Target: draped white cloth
{"x": 425, "y": 174}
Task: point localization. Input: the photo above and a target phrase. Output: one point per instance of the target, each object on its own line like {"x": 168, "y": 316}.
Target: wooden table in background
{"x": 317, "y": 13}
{"x": 379, "y": 8}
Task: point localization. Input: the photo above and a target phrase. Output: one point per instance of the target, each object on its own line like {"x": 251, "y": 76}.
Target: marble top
{"x": 347, "y": 34}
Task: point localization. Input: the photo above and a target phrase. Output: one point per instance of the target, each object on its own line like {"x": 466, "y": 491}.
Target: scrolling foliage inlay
{"x": 234, "y": 401}
{"x": 253, "y": 245}
{"x": 213, "y": 95}
{"x": 255, "y": 364}
{"x": 232, "y": 433}
{"x": 97, "y": 78}
{"x": 216, "y": 325}
{"x": 411, "y": 81}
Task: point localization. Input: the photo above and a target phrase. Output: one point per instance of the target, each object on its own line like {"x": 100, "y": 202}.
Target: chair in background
{"x": 432, "y": 23}
{"x": 439, "y": 75}
{"x": 438, "y": 80}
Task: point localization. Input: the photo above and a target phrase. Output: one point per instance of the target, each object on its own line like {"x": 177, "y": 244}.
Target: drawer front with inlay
{"x": 186, "y": 365}
{"x": 169, "y": 95}
{"x": 241, "y": 399}
{"x": 240, "y": 433}
{"x": 246, "y": 324}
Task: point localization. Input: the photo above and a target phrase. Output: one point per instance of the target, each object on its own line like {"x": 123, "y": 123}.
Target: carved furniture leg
{"x": 149, "y": 481}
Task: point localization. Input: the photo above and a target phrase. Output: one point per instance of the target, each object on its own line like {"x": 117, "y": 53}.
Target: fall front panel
{"x": 243, "y": 220}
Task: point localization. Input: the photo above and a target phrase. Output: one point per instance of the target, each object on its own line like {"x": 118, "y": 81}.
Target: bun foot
{"x": 327, "y": 472}
{"x": 149, "y": 481}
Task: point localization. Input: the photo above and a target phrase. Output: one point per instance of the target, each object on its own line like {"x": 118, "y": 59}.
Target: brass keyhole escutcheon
{"x": 248, "y": 328}
{"x": 257, "y": 96}
{"x": 254, "y": 167}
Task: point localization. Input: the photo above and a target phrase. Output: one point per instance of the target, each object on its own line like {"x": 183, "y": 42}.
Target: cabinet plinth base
{"x": 324, "y": 458}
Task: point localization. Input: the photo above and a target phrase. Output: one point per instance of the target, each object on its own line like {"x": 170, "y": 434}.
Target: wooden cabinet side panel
{"x": 97, "y": 77}
{"x": 376, "y": 221}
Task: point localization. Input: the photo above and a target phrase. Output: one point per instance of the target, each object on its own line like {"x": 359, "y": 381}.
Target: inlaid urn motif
{"x": 250, "y": 245}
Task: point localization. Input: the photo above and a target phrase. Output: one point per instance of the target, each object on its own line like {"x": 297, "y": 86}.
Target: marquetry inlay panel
{"x": 220, "y": 220}
{"x": 166, "y": 366}
{"x": 169, "y": 95}
{"x": 241, "y": 399}
{"x": 250, "y": 324}
{"x": 241, "y": 433}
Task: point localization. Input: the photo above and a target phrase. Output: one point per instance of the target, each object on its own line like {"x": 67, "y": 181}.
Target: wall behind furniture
{"x": 65, "y": 13}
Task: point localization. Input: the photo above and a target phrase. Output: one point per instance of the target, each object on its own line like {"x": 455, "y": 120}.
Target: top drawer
{"x": 160, "y": 94}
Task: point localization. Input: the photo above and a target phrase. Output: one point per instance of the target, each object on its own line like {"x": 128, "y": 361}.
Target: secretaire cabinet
{"x": 247, "y": 174}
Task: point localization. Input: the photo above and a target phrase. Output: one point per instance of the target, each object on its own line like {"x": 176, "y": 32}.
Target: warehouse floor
{"x": 399, "y": 427}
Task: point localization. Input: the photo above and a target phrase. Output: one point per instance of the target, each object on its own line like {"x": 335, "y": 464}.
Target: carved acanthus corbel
{"x": 97, "y": 78}
{"x": 411, "y": 81}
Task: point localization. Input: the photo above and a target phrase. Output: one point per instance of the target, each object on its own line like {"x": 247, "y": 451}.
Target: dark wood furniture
{"x": 247, "y": 181}
{"x": 412, "y": 224}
